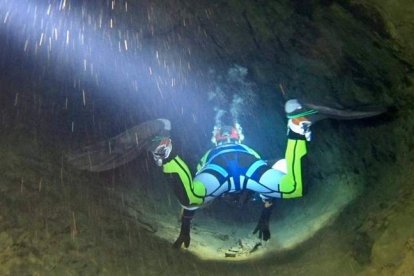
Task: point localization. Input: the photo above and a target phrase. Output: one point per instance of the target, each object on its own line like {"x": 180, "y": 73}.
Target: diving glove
{"x": 184, "y": 237}
{"x": 263, "y": 224}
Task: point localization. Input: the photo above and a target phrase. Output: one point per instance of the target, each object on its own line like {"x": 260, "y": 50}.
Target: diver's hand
{"x": 182, "y": 239}
{"x": 263, "y": 224}
{"x": 263, "y": 229}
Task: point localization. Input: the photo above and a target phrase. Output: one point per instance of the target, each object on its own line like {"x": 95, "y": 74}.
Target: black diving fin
{"x": 340, "y": 113}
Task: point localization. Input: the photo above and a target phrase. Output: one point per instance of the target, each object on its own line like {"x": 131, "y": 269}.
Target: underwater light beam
{"x": 95, "y": 49}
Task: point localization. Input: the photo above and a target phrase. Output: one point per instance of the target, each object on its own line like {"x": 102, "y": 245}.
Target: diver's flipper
{"x": 302, "y": 115}
{"x": 345, "y": 114}
{"x": 121, "y": 149}
{"x": 295, "y": 108}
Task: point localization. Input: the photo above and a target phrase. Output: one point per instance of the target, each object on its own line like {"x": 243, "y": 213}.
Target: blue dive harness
{"x": 231, "y": 162}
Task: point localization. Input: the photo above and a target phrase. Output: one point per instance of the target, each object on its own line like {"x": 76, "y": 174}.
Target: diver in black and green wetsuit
{"x": 232, "y": 167}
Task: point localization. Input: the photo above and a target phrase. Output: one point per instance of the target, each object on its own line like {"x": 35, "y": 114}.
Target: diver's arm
{"x": 263, "y": 224}
{"x": 184, "y": 237}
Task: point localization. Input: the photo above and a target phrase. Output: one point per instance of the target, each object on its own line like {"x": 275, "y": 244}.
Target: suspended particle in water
{"x": 41, "y": 39}
{"x": 83, "y": 97}
{"x": 49, "y": 9}
{"x": 6, "y": 17}
{"x": 62, "y": 5}
{"x": 26, "y": 43}
{"x": 67, "y": 37}
{"x": 16, "y": 99}
{"x": 55, "y": 33}
{"x": 50, "y": 44}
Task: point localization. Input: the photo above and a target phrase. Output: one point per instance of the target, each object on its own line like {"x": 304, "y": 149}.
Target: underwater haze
{"x": 82, "y": 75}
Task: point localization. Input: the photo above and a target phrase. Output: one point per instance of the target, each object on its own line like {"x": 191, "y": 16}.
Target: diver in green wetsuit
{"x": 232, "y": 167}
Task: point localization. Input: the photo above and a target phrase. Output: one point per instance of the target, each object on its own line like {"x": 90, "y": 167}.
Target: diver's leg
{"x": 283, "y": 181}
{"x": 184, "y": 237}
{"x": 300, "y": 120}
{"x": 301, "y": 116}
{"x": 192, "y": 193}
{"x": 189, "y": 193}
{"x": 291, "y": 185}
{"x": 208, "y": 184}
{"x": 284, "y": 178}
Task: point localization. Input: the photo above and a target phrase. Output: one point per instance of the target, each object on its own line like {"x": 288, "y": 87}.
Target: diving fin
{"x": 302, "y": 115}
{"x": 346, "y": 114}
{"x": 295, "y": 108}
{"x": 121, "y": 149}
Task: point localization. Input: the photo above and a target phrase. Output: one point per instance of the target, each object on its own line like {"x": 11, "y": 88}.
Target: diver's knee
{"x": 294, "y": 194}
{"x": 199, "y": 189}
{"x": 290, "y": 188}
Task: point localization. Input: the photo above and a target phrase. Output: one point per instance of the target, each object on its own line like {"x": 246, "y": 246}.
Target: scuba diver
{"x": 232, "y": 167}
{"x": 229, "y": 168}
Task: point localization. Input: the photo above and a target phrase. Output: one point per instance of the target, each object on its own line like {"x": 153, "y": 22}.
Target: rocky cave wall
{"x": 344, "y": 52}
